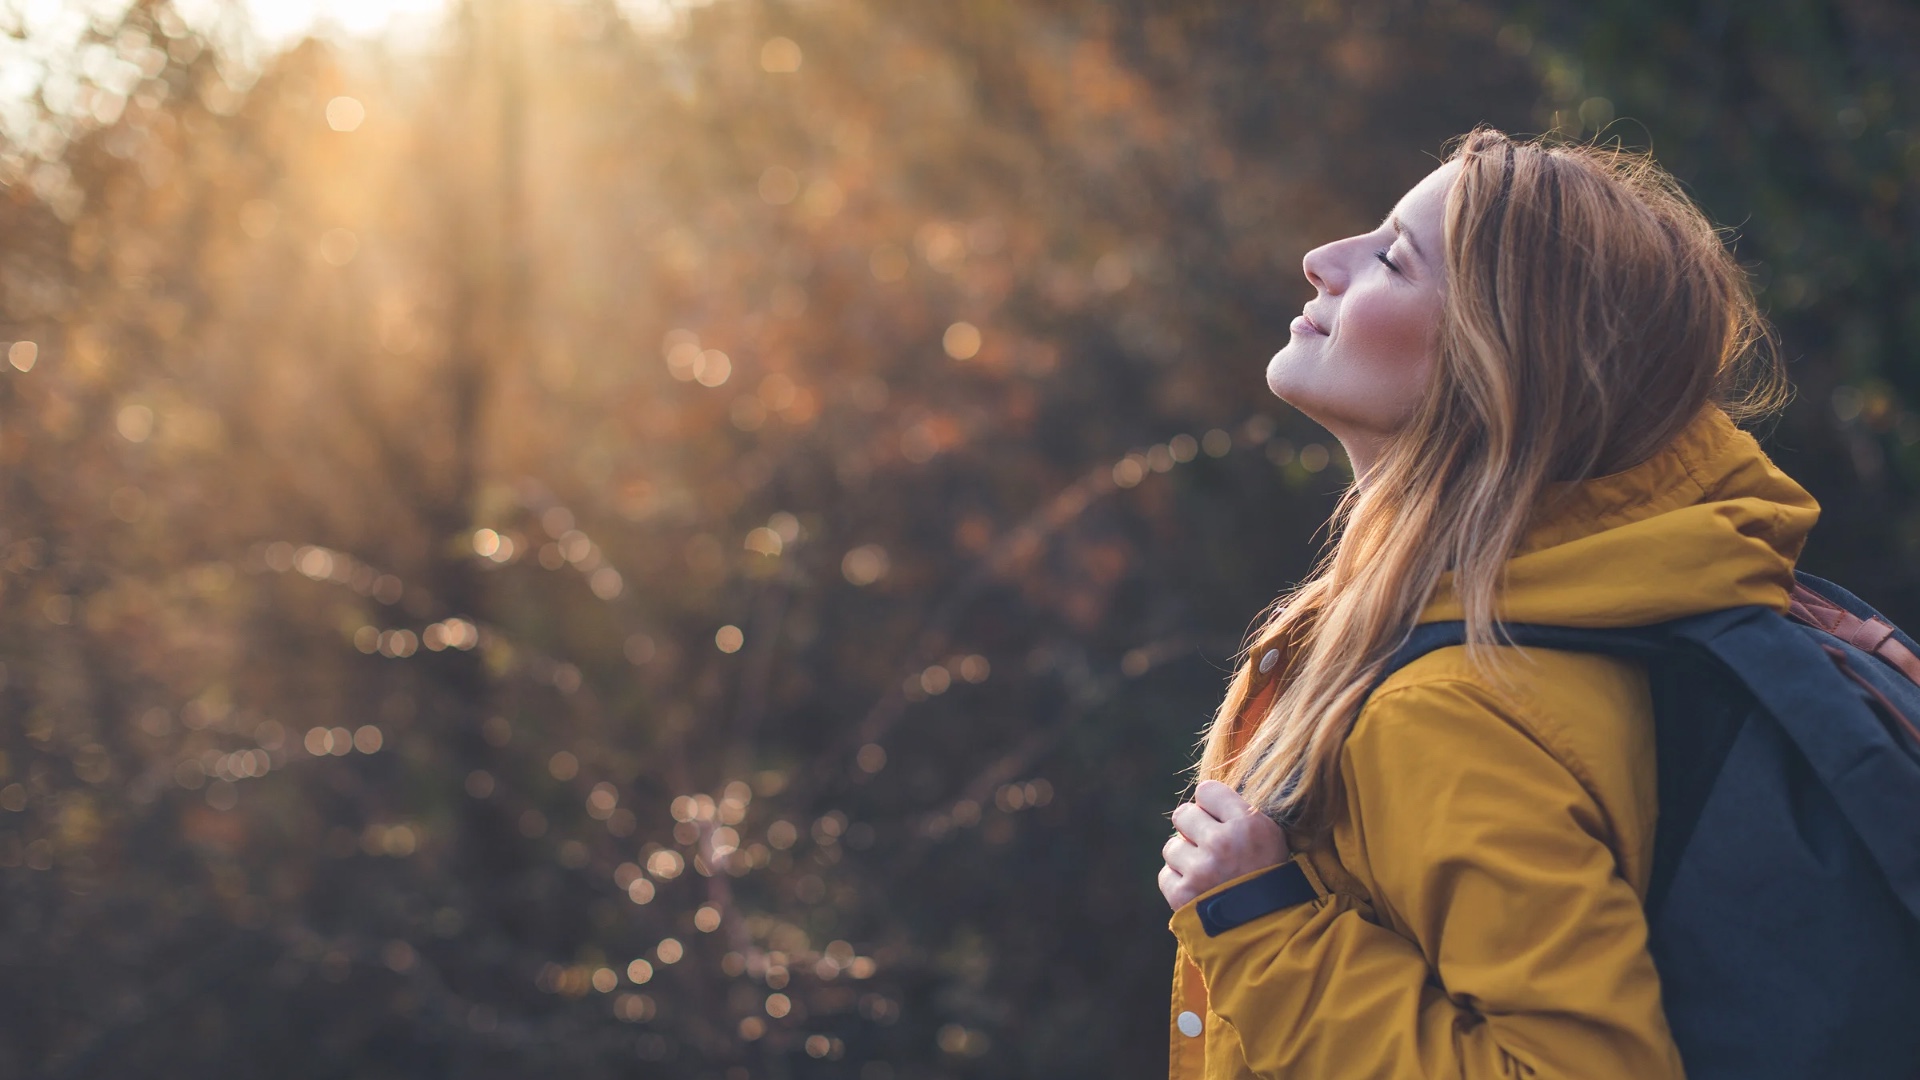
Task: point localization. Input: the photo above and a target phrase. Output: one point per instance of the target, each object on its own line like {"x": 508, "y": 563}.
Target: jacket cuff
{"x": 1246, "y": 905}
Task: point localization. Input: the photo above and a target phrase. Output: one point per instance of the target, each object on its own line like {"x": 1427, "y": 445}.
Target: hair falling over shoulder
{"x": 1591, "y": 312}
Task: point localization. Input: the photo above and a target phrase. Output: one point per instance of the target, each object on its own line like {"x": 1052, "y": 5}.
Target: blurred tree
{"x": 683, "y": 542}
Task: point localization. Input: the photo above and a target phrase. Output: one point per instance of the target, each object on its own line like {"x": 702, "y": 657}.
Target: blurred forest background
{"x": 695, "y": 540}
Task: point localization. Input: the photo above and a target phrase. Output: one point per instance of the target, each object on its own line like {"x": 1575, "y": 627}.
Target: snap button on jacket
{"x": 1478, "y": 909}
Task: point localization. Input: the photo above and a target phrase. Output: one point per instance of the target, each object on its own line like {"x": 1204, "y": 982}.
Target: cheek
{"x": 1387, "y": 336}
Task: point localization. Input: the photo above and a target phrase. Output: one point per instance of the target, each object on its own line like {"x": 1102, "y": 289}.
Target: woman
{"x": 1535, "y": 365}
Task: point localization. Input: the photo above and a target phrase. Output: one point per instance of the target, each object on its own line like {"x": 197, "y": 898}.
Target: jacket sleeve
{"x": 1524, "y": 948}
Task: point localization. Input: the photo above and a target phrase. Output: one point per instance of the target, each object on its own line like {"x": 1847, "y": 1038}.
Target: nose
{"x": 1322, "y": 267}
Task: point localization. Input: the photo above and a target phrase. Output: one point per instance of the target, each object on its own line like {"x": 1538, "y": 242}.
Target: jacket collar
{"x": 1706, "y": 523}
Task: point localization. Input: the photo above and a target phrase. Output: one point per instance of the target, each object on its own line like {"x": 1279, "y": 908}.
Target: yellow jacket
{"x": 1479, "y": 906}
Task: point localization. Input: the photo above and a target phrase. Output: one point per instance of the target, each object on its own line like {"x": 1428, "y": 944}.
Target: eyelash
{"x": 1382, "y": 256}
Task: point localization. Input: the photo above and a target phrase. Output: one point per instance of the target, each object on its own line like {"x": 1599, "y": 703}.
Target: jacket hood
{"x": 1707, "y": 523}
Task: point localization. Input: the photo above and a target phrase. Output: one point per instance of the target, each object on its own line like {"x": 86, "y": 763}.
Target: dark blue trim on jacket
{"x": 1280, "y": 888}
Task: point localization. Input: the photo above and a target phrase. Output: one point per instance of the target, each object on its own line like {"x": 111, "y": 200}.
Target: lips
{"x": 1317, "y": 328}
{"x": 1304, "y": 324}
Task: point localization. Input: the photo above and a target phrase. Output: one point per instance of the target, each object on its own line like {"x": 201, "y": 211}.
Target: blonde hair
{"x": 1591, "y": 312}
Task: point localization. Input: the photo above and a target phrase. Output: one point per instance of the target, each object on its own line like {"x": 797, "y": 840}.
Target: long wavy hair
{"x": 1591, "y": 312}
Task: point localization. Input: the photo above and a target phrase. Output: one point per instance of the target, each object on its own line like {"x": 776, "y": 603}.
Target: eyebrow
{"x": 1394, "y": 221}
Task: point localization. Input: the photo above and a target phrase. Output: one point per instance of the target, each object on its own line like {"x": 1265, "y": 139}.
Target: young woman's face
{"x": 1358, "y": 359}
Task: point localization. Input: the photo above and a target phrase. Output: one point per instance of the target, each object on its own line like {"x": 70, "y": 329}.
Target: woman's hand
{"x": 1220, "y": 837}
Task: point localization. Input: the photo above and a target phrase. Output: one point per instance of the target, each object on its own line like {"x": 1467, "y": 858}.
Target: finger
{"x": 1172, "y": 887}
{"x": 1176, "y": 888}
{"x": 1174, "y": 842}
{"x": 1194, "y": 823}
{"x": 1188, "y": 860}
{"x": 1221, "y": 801}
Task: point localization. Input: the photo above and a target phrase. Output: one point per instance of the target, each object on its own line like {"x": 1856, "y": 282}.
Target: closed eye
{"x": 1387, "y": 260}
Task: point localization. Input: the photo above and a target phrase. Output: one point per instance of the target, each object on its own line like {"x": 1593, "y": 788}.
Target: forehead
{"x": 1426, "y": 201}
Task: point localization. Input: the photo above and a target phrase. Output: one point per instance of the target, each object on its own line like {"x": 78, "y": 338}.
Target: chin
{"x": 1277, "y": 374}
{"x": 1284, "y": 379}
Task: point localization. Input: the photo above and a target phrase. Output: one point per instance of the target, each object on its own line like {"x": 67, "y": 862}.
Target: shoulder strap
{"x": 1635, "y": 642}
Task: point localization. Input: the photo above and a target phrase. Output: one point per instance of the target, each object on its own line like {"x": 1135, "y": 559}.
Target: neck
{"x": 1362, "y": 453}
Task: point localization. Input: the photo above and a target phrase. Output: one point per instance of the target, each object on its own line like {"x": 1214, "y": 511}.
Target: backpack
{"x": 1784, "y": 903}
